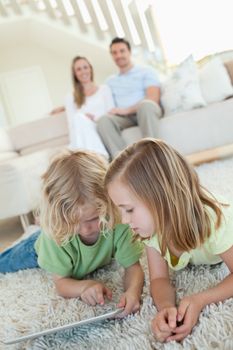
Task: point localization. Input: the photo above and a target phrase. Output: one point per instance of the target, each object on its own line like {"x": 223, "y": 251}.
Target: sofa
{"x": 192, "y": 132}
{"x": 200, "y": 133}
{"x": 25, "y": 152}
{"x": 201, "y": 121}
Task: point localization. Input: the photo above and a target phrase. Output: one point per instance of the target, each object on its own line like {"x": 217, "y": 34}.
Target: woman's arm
{"x": 108, "y": 98}
{"x": 90, "y": 291}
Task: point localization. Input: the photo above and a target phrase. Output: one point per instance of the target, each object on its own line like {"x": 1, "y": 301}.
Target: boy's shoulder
{"x": 120, "y": 229}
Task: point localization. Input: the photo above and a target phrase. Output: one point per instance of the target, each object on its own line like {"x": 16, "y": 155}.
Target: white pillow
{"x": 182, "y": 91}
{"x": 214, "y": 81}
{"x": 5, "y": 142}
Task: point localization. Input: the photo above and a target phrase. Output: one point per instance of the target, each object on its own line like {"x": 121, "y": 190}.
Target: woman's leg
{"x": 86, "y": 135}
{"x": 21, "y": 256}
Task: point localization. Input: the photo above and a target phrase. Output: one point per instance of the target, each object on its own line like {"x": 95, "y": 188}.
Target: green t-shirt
{"x": 76, "y": 259}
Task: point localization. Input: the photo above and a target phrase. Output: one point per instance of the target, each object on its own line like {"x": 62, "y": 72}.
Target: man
{"x": 136, "y": 94}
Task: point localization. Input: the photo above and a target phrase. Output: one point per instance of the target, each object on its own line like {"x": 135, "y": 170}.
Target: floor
{"x": 10, "y": 230}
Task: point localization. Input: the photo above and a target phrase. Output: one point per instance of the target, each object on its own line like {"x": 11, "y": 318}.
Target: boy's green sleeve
{"x": 51, "y": 257}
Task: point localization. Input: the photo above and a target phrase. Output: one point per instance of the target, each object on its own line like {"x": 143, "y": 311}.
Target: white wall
{"x": 56, "y": 68}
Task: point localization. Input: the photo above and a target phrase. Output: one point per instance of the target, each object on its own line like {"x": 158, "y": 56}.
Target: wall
{"x": 53, "y": 52}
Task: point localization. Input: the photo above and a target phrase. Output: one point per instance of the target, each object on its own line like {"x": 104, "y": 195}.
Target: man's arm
{"x": 152, "y": 93}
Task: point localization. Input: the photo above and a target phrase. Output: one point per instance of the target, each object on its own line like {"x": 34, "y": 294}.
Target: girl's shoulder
{"x": 221, "y": 238}
{"x": 153, "y": 242}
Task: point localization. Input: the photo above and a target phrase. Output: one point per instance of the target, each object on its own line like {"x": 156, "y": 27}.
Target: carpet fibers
{"x": 28, "y": 302}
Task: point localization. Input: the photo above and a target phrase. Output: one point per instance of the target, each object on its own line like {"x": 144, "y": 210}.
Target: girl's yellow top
{"x": 218, "y": 242}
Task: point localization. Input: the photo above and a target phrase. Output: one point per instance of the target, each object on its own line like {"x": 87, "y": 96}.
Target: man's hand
{"x": 130, "y": 301}
{"x": 119, "y": 111}
{"x": 164, "y": 324}
{"x": 90, "y": 116}
{"x": 94, "y": 293}
{"x": 188, "y": 313}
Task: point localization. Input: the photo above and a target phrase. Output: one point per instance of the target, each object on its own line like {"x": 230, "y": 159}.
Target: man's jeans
{"x": 21, "y": 256}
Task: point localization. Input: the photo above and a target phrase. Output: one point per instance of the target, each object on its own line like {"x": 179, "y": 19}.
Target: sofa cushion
{"x": 229, "y": 67}
{"x": 4, "y": 156}
{"x": 20, "y": 182}
{"x": 38, "y": 132}
{"x": 5, "y": 141}
{"x": 215, "y": 81}
{"x": 193, "y": 131}
{"x": 182, "y": 90}
{"x": 56, "y": 144}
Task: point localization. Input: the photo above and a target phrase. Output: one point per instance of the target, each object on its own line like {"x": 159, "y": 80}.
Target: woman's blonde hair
{"x": 79, "y": 96}
{"x": 170, "y": 188}
{"x": 73, "y": 179}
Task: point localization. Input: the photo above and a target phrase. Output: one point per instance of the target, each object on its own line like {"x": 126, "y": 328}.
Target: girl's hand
{"x": 188, "y": 313}
{"x": 90, "y": 116}
{"x": 164, "y": 323}
{"x": 131, "y": 303}
{"x": 94, "y": 293}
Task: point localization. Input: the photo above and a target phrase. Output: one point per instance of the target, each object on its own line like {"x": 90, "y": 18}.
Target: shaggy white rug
{"x": 28, "y": 302}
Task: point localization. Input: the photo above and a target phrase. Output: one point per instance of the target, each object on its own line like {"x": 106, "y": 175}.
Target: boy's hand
{"x": 164, "y": 324}
{"x": 188, "y": 313}
{"x": 94, "y": 293}
{"x": 130, "y": 301}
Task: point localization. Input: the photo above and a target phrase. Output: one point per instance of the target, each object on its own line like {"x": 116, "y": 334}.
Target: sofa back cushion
{"x": 215, "y": 81}
{"x": 229, "y": 67}
{"x": 181, "y": 91}
{"x": 5, "y": 141}
{"x": 51, "y": 131}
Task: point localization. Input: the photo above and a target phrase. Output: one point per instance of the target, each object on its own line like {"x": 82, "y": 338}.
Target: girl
{"x": 75, "y": 240}
{"x": 84, "y": 106}
{"x": 160, "y": 197}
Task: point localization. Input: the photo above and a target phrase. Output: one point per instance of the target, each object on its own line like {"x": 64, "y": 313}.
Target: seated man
{"x": 136, "y": 94}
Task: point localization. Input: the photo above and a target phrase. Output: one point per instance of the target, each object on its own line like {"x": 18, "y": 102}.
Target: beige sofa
{"x": 25, "y": 152}
{"x": 196, "y": 130}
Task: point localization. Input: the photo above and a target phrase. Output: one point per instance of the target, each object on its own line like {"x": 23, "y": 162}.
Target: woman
{"x": 87, "y": 103}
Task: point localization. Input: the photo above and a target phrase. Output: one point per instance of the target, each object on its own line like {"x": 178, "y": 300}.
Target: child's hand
{"x": 130, "y": 301}
{"x": 188, "y": 313}
{"x": 164, "y": 323}
{"x": 94, "y": 293}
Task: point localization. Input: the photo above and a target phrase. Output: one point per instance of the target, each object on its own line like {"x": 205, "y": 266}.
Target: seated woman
{"x": 84, "y": 106}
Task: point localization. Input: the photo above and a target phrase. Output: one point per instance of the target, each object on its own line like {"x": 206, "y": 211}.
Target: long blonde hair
{"x": 79, "y": 96}
{"x": 170, "y": 188}
{"x": 72, "y": 180}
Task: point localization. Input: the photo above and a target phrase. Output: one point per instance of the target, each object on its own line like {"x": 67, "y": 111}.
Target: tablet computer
{"x": 102, "y": 317}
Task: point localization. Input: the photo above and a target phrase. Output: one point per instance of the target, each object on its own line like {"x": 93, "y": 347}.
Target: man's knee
{"x": 103, "y": 122}
{"x": 150, "y": 107}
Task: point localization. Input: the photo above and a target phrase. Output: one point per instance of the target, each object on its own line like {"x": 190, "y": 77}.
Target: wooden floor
{"x": 10, "y": 230}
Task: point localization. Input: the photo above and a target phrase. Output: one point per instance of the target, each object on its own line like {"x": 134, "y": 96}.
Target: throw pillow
{"x": 5, "y": 142}
{"x": 214, "y": 81}
{"x": 229, "y": 67}
{"x": 182, "y": 91}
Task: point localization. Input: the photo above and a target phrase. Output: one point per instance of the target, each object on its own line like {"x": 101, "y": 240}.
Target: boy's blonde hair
{"x": 170, "y": 188}
{"x": 72, "y": 180}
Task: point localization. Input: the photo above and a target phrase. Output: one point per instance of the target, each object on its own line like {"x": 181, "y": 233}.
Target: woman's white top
{"x": 82, "y": 130}
{"x": 97, "y": 104}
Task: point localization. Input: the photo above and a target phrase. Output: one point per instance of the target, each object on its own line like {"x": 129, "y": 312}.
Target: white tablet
{"x": 62, "y": 328}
